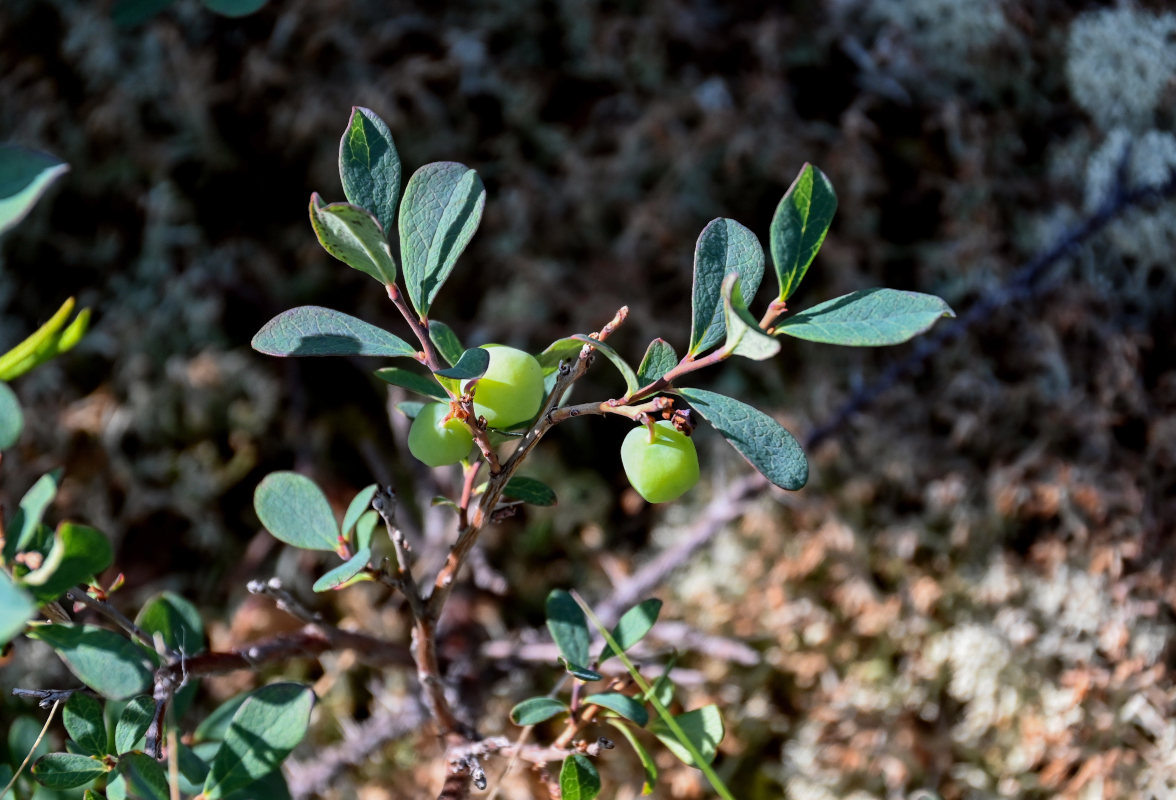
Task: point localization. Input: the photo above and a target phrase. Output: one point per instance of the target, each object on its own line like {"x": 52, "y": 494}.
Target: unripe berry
{"x": 438, "y": 441}
{"x": 661, "y": 470}
{"x": 511, "y": 390}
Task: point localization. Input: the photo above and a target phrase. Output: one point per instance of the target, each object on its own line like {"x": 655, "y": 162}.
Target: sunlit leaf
{"x": 317, "y": 331}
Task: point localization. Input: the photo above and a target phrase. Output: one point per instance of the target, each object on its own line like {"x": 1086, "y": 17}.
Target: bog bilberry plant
{"x": 482, "y": 412}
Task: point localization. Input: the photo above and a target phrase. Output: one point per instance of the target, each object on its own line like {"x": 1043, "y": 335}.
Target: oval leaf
{"x": 144, "y": 776}
{"x": 22, "y": 528}
{"x": 85, "y": 723}
{"x": 264, "y": 730}
{"x": 413, "y": 381}
{"x": 441, "y": 210}
{"x": 724, "y": 246}
{"x": 612, "y": 355}
{"x": 11, "y": 417}
{"x": 352, "y": 235}
{"x": 632, "y": 627}
{"x": 67, "y": 770}
{"x": 446, "y": 341}
{"x": 343, "y": 574}
{"x": 799, "y": 226}
{"x": 867, "y": 318}
{"x": 369, "y": 166}
{"x": 176, "y": 620}
{"x": 234, "y": 8}
{"x": 103, "y": 660}
{"x": 535, "y": 710}
{"x": 659, "y": 359}
{"x": 578, "y": 779}
{"x": 133, "y": 723}
{"x": 471, "y": 364}
{"x": 317, "y": 331}
{"x": 294, "y": 510}
{"x": 365, "y": 527}
{"x": 360, "y": 504}
{"x": 744, "y": 335}
{"x": 529, "y": 490}
{"x": 624, "y": 705}
{"x": 16, "y": 607}
{"x": 703, "y": 726}
{"x": 25, "y": 175}
{"x": 760, "y": 439}
{"x": 79, "y": 552}
{"x": 569, "y": 628}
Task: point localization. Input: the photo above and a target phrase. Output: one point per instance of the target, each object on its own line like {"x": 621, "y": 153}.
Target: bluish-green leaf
{"x": 446, "y": 341}
{"x": 659, "y": 359}
{"x": 632, "y": 626}
{"x": 360, "y": 504}
{"x": 410, "y": 408}
{"x": 529, "y": 490}
{"x": 703, "y": 726}
{"x": 24, "y": 176}
{"x": 317, "y": 331}
{"x": 144, "y": 776}
{"x": 369, "y": 166}
{"x": 176, "y": 620}
{"x": 79, "y": 552}
{"x": 193, "y": 771}
{"x": 744, "y": 336}
{"x": 295, "y": 510}
{"x": 11, "y": 417}
{"x": 622, "y": 704}
{"x": 867, "y": 318}
{"x": 534, "y": 710}
{"x": 578, "y": 779}
{"x": 760, "y": 439}
{"x": 213, "y": 728}
{"x": 413, "y": 381}
{"x": 22, "y": 528}
{"x": 23, "y": 733}
{"x": 103, "y": 660}
{"x": 264, "y": 730}
{"x": 67, "y": 770}
{"x": 471, "y": 364}
{"x": 133, "y": 723}
{"x": 365, "y": 526}
{"x": 344, "y": 574}
{"x": 441, "y": 210}
{"x": 648, "y": 765}
{"x": 612, "y": 355}
{"x": 724, "y": 246}
{"x": 129, "y": 13}
{"x": 16, "y": 607}
{"x": 234, "y": 8}
{"x": 82, "y": 716}
{"x": 568, "y": 627}
{"x": 352, "y": 235}
{"x": 799, "y": 226}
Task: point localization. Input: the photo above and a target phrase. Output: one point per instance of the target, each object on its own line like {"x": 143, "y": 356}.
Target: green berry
{"x": 661, "y": 470}
{"x": 436, "y": 440}
{"x": 511, "y": 390}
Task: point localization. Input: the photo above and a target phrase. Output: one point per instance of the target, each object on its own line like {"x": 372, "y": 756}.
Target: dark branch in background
{"x": 1025, "y": 282}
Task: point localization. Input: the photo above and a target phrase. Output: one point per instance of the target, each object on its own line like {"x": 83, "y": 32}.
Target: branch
{"x": 115, "y": 616}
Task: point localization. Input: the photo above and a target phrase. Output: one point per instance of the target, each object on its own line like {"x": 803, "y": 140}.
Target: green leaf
{"x": 352, "y": 235}
{"x": 569, "y": 629}
{"x": 133, "y": 724}
{"x": 647, "y": 763}
{"x": 624, "y": 705}
{"x": 266, "y": 727}
{"x": 724, "y": 246}
{"x": 84, "y": 723}
{"x": 16, "y": 607}
{"x": 529, "y": 490}
{"x": 471, "y": 364}
{"x": 799, "y": 226}
{"x": 867, "y": 318}
{"x": 79, "y": 552}
{"x": 744, "y": 336}
{"x": 176, "y": 620}
{"x": 67, "y": 770}
{"x": 359, "y": 505}
{"x": 22, "y": 528}
{"x": 557, "y": 351}
{"x": 234, "y": 8}
{"x": 413, "y": 381}
{"x": 578, "y": 779}
{"x": 612, "y": 355}
{"x": 441, "y": 210}
{"x": 632, "y": 627}
{"x": 22, "y": 737}
{"x": 369, "y": 166}
{"x": 760, "y": 439}
{"x": 11, "y": 417}
{"x": 317, "y": 331}
{"x": 47, "y": 341}
{"x": 193, "y": 771}
{"x": 659, "y": 359}
{"x": 703, "y": 726}
{"x": 103, "y": 660}
{"x": 144, "y": 776}
{"x": 344, "y": 574}
{"x": 410, "y": 408}
{"x": 129, "y": 13}
{"x": 534, "y": 710}
{"x": 25, "y": 175}
{"x": 294, "y": 509}
{"x": 446, "y": 341}
{"x": 364, "y": 528}
{"x": 213, "y": 728}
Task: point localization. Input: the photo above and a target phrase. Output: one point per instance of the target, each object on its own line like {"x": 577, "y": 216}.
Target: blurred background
{"x": 974, "y": 593}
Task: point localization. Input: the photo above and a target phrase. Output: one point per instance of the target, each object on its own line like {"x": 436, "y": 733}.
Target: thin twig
{"x": 33, "y": 749}
{"x": 115, "y": 616}
{"x": 274, "y": 590}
